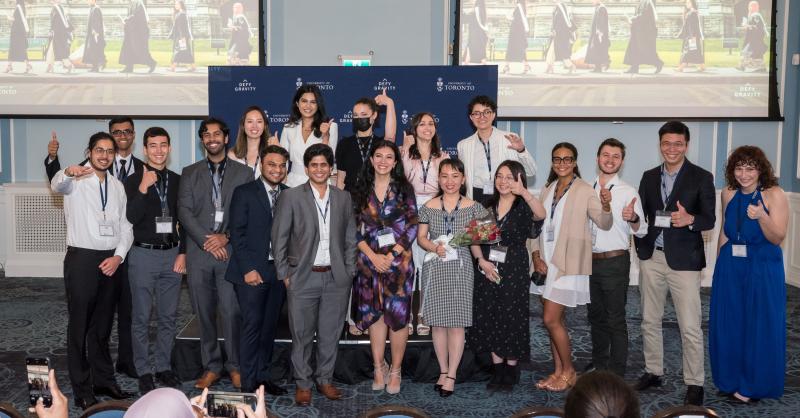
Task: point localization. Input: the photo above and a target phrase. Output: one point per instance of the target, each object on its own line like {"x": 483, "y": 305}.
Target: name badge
{"x": 163, "y": 224}
{"x": 550, "y": 233}
{"x": 386, "y": 237}
{"x": 739, "y": 250}
{"x": 451, "y": 254}
{"x": 663, "y": 219}
{"x": 106, "y": 228}
{"x": 219, "y": 215}
{"x": 488, "y": 189}
{"x": 498, "y": 254}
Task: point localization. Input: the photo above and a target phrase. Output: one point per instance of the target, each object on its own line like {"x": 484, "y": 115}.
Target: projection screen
{"x": 624, "y": 58}
{"x": 110, "y": 57}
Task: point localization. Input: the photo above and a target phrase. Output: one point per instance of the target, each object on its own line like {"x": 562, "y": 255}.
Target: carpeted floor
{"x": 33, "y": 323}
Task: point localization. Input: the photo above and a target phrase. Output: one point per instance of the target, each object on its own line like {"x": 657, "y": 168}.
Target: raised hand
{"x": 52, "y": 146}
{"x": 408, "y": 141}
{"x": 273, "y": 140}
{"x": 325, "y": 128}
{"x": 383, "y": 99}
{"x": 681, "y": 218}
{"x": 628, "y": 213}
{"x": 515, "y": 142}
{"x": 516, "y": 186}
{"x": 149, "y": 178}
{"x": 60, "y": 406}
{"x": 605, "y": 198}
{"x": 78, "y": 170}
{"x": 756, "y": 211}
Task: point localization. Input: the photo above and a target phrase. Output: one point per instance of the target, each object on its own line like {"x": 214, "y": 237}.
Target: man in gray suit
{"x": 204, "y": 196}
{"x": 314, "y": 244}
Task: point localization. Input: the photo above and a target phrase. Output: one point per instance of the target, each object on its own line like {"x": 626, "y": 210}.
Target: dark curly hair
{"x": 366, "y": 180}
{"x": 748, "y": 155}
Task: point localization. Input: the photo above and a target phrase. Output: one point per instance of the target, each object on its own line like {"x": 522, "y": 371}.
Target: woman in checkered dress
{"x": 448, "y": 271}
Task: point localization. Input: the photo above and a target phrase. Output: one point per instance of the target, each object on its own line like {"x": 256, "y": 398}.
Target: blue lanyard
{"x": 327, "y": 205}
{"x": 382, "y": 204}
{"x": 449, "y": 221}
{"x": 162, "y": 194}
{"x": 216, "y": 188}
{"x": 104, "y": 196}
{"x": 425, "y": 170}
{"x": 740, "y": 213}
{"x": 594, "y": 186}
{"x": 487, "y": 149}
{"x": 556, "y": 200}
{"x": 667, "y": 197}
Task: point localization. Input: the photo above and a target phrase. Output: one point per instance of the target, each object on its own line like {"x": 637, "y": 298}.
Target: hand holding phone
{"x": 38, "y": 369}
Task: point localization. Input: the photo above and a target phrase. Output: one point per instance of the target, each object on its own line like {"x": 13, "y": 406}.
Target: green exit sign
{"x": 347, "y": 62}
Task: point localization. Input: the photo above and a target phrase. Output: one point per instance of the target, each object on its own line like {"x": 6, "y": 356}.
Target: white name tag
{"x": 498, "y": 254}
{"x": 739, "y": 250}
{"x": 488, "y": 189}
{"x": 451, "y": 254}
{"x": 663, "y": 219}
{"x": 550, "y": 233}
{"x": 164, "y": 224}
{"x": 219, "y": 215}
{"x": 386, "y": 237}
{"x": 106, "y": 229}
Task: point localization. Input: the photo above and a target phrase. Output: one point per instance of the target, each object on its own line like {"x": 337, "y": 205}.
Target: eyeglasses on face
{"x": 477, "y": 114}
{"x": 101, "y": 151}
{"x": 120, "y": 132}
{"x": 565, "y": 160}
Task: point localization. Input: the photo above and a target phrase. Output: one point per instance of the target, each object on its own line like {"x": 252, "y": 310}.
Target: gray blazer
{"x": 195, "y": 207}
{"x": 295, "y": 236}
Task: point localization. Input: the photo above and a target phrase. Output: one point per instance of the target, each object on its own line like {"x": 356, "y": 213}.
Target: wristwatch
{"x": 396, "y": 253}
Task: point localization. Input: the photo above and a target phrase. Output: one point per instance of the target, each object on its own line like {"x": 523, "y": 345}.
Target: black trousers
{"x": 124, "y": 307}
{"x": 608, "y": 290}
{"x": 90, "y": 306}
{"x": 260, "y": 307}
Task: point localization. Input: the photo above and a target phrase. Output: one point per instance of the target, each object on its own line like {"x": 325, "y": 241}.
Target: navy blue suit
{"x": 250, "y": 228}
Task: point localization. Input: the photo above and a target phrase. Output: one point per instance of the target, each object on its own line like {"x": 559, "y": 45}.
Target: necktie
{"x": 123, "y": 172}
{"x": 273, "y": 194}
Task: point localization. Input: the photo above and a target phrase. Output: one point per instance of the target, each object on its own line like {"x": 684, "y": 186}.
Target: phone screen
{"x": 38, "y": 380}
{"x": 222, "y": 404}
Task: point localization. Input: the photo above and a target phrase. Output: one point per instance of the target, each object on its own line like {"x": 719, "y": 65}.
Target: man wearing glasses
{"x": 98, "y": 238}
{"x": 484, "y": 150}
{"x": 123, "y": 165}
{"x": 678, "y": 201}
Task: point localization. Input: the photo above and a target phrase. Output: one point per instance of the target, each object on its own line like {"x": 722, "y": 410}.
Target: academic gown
{"x": 642, "y": 44}
{"x": 136, "y": 41}
{"x": 94, "y": 48}
{"x": 597, "y": 49}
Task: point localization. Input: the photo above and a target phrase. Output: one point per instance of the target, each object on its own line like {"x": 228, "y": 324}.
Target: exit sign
{"x": 356, "y": 62}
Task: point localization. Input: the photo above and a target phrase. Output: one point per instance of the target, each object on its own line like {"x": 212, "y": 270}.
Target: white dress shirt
{"x": 292, "y": 141}
{"x": 83, "y": 212}
{"x": 618, "y": 237}
{"x": 323, "y": 257}
{"x": 268, "y": 188}
{"x": 129, "y": 168}
{"x": 472, "y": 153}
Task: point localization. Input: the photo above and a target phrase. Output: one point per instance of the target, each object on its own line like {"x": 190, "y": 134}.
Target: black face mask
{"x": 362, "y": 124}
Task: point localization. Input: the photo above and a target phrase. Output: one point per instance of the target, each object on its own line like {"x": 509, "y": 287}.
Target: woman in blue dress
{"x": 747, "y": 324}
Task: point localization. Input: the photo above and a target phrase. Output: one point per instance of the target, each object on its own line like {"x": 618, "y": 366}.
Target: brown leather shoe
{"x": 302, "y": 397}
{"x": 329, "y": 391}
{"x": 236, "y": 379}
{"x": 208, "y": 379}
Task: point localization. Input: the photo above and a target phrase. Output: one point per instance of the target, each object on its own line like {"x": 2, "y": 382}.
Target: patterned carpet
{"x": 33, "y": 323}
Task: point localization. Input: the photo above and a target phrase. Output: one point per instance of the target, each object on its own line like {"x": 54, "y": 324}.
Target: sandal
{"x": 437, "y": 387}
{"x": 391, "y": 389}
{"x": 422, "y": 328}
{"x": 410, "y": 325}
{"x": 542, "y": 384}
{"x": 353, "y": 330}
{"x": 380, "y": 370}
{"x": 563, "y": 383}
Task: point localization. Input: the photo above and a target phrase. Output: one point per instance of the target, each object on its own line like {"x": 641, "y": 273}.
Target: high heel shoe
{"x": 422, "y": 328}
{"x": 381, "y": 369}
{"x": 563, "y": 383}
{"x": 542, "y": 384}
{"x": 437, "y": 387}
{"x": 392, "y": 390}
{"x": 444, "y": 393}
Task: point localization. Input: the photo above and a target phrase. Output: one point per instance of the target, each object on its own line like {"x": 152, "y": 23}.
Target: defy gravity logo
{"x": 244, "y": 85}
{"x": 347, "y": 117}
{"x": 442, "y": 85}
{"x": 384, "y": 84}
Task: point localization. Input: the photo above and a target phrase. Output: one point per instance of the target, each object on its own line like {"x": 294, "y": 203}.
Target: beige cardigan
{"x": 573, "y": 250}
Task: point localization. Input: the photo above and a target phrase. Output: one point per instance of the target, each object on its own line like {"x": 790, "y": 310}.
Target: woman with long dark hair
{"x": 422, "y": 153}
{"x": 747, "y": 318}
{"x": 501, "y": 313}
{"x": 18, "y": 38}
{"x": 251, "y": 139}
{"x": 448, "y": 270}
{"x": 693, "y": 50}
{"x": 565, "y": 254}
{"x": 308, "y": 124}
{"x": 181, "y": 35}
{"x": 386, "y": 213}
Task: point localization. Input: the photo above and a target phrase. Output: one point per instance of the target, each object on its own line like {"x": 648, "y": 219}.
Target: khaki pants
{"x": 684, "y": 287}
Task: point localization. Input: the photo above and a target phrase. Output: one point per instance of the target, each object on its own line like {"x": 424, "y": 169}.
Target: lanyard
{"x": 667, "y": 197}
{"x": 487, "y": 149}
{"x": 327, "y": 205}
{"x": 382, "y": 204}
{"x": 556, "y": 200}
{"x": 104, "y": 195}
{"x": 216, "y": 188}
{"x": 425, "y": 170}
{"x": 162, "y": 194}
{"x": 364, "y": 151}
{"x": 449, "y": 221}
{"x": 739, "y": 213}
{"x": 594, "y": 186}
{"x": 255, "y": 166}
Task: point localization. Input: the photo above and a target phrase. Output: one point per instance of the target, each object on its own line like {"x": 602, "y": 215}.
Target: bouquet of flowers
{"x": 477, "y": 232}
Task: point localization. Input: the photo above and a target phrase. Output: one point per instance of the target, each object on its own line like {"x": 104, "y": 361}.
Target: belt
{"x": 156, "y": 246}
{"x": 320, "y": 269}
{"x": 659, "y": 248}
{"x": 608, "y": 254}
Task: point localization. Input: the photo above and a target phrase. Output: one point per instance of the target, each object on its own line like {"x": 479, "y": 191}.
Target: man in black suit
{"x": 252, "y": 269}
{"x": 678, "y": 199}
{"x": 123, "y": 166}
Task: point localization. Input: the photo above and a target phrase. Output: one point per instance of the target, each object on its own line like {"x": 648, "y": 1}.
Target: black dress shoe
{"x": 112, "y": 391}
{"x": 273, "y": 389}
{"x": 444, "y": 393}
{"x": 168, "y": 378}
{"x": 498, "y": 371}
{"x": 85, "y": 403}
{"x": 647, "y": 381}
{"x": 146, "y": 384}
{"x": 694, "y": 395}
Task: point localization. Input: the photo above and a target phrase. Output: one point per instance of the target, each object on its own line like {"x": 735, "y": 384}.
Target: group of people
{"x": 135, "y": 42}
{"x": 262, "y": 223}
{"x": 641, "y": 48}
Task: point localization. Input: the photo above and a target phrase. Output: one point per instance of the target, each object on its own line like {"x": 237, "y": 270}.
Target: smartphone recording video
{"x": 223, "y": 404}
{"x": 38, "y": 380}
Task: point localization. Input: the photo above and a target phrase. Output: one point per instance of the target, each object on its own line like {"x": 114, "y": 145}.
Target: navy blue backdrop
{"x": 444, "y": 91}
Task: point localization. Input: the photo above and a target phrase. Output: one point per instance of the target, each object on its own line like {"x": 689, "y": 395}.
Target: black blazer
{"x": 53, "y": 167}
{"x": 250, "y": 227}
{"x": 694, "y": 188}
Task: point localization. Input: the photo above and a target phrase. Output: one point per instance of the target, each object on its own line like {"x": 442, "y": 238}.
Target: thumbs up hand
{"x": 628, "y": 214}
{"x": 273, "y": 140}
{"x": 756, "y": 211}
{"x": 681, "y": 218}
{"x": 605, "y": 199}
{"x": 325, "y": 129}
{"x": 149, "y": 178}
{"x": 52, "y": 146}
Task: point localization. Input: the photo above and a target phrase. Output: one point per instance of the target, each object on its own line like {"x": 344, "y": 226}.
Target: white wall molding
{"x": 791, "y": 245}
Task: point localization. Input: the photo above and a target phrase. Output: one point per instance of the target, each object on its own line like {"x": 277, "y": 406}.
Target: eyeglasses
{"x": 126, "y": 132}
{"x": 107, "y": 151}
{"x": 477, "y": 114}
{"x": 565, "y": 160}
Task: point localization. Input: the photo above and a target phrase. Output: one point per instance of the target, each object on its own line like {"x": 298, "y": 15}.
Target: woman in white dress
{"x": 308, "y": 125}
{"x": 565, "y": 254}
{"x": 251, "y": 140}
